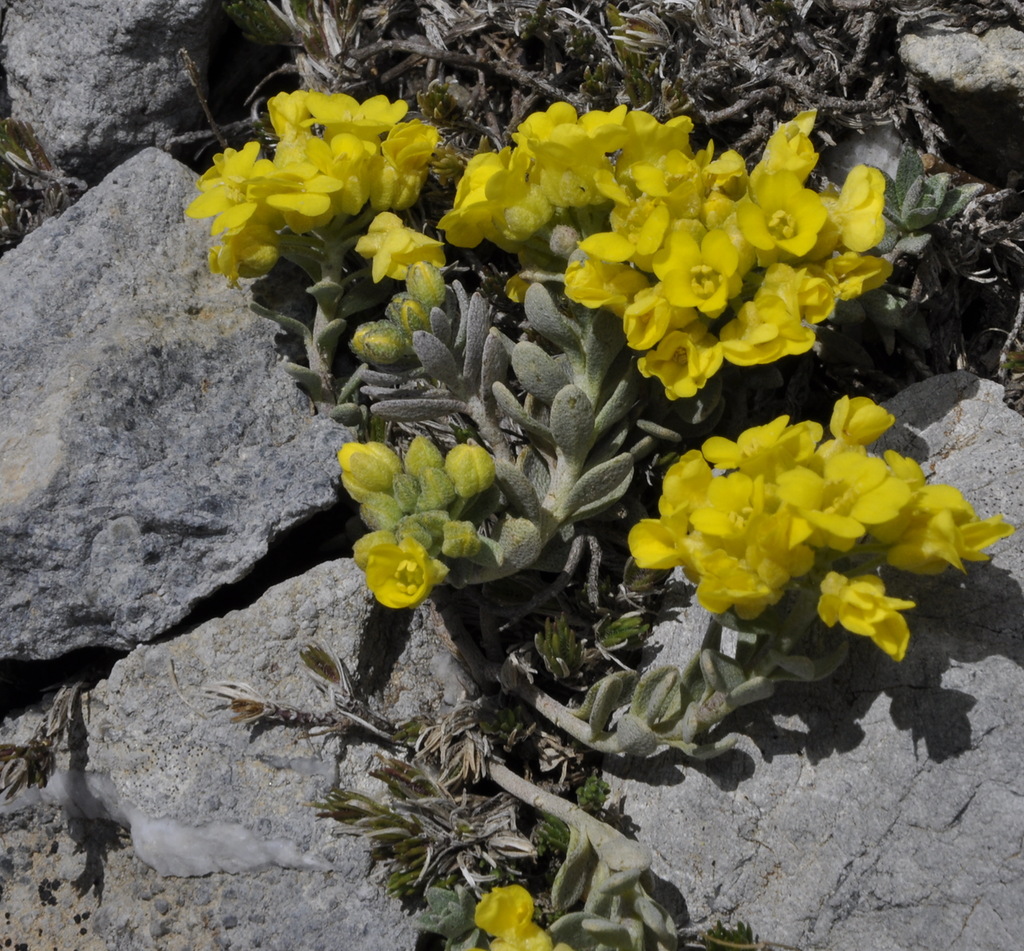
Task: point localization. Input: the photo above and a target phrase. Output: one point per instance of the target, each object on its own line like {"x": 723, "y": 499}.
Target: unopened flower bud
{"x": 407, "y": 314}
{"x": 460, "y": 540}
{"x": 406, "y": 490}
{"x": 381, "y": 342}
{"x": 422, "y": 454}
{"x": 436, "y": 490}
{"x": 426, "y": 284}
{"x": 564, "y": 240}
{"x": 367, "y": 468}
{"x": 412, "y": 526}
{"x": 471, "y": 469}
{"x": 380, "y": 512}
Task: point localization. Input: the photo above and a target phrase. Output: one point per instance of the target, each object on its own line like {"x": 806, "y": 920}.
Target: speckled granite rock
{"x": 978, "y": 81}
{"x": 150, "y": 447}
{"x": 99, "y": 81}
{"x": 189, "y": 831}
{"x": 881, "y": 808}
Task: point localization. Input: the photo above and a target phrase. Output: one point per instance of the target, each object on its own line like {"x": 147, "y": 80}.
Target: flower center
{"x": 703, "y": 280}
{"x": 781, "y": 225}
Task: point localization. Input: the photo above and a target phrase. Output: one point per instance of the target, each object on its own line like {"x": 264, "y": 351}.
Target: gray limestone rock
{"x": 880, "y": 808}
{"x": 101, "y": 80}
{"x": 189, "y": 831}
{"x": 150, "y": 447}
{"x": 978, "y": 81}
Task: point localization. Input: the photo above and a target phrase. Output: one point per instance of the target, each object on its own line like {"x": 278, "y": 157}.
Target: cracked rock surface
{"x": 881, "y": 808}
{"x": 151, "y": 449}
{"x": 188, "y": 831}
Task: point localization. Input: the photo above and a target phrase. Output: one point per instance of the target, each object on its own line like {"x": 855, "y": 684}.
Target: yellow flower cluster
{"x": 413, "y": 509}
{"x": 786, "y": 505}
{"x": 507, "y": 914}
{"x": 334, "y": 156}
{"x": 703, "y": 261}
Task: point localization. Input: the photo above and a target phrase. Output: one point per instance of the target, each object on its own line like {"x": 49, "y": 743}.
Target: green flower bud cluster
{"x": 389, "y": 341}
{"x": 420, "y": 511}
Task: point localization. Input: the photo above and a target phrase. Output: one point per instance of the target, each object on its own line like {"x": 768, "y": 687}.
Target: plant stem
{"x": 618, "y": 852}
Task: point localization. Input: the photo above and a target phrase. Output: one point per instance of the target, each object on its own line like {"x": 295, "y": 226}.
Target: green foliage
{"x": 551, "y": 837}
{"x": 260, "y": 20}
{"x": 31, "y": 188}
{"x": 593, "y": 794}
{"x": 559, "y": 648}
{"x": 721, "y": 938}
{"x": 450, "y": 914}
{"x": 915, "y": 200}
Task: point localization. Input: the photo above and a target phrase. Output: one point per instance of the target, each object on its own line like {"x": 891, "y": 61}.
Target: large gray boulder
{"x": 978, "y": 82}
{"x": 150, "y": 447}
{"x": 881, "y": 808}
{"x": 189, "y": 831}
{"x": 100, "y": 81}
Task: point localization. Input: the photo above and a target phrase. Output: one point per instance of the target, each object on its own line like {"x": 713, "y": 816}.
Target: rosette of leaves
{"x": 558, "y": 409}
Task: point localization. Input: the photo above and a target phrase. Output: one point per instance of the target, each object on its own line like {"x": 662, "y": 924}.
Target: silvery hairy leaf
{"x": 571, "y": 422}
{"x": 600, "y": 487}
{"x": 512, "y": 408}
{"x": 538, "y": 371}
{"x": 415, "y": 410}
{"x": 477, "y": 321}
{"x": 721, "y": 673}
{"x": 545, "y": 317}
{"x": 576, "y": 871}
{"x": 493, "y": 363}
{"x": 604, "y": 698}
{"x": 437, "y": 360}
{"x": 518, "y": 489}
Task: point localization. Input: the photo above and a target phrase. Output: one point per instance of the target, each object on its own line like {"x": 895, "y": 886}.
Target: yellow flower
{"x": 766, "y": 329}
{"x": 289, "y": 112}
{"x": 782, "y": 215}
{"x": 595, "y": 283}
{"x": 862, "y": 607}
{"x": 248, "y": 251}
{"x": 639, "y": 229}
{"x": 704, "y": 276}
{"x": 650, "y": 316}
{"x": 765, "y": 450}
{"x": 367, "y": 468}
{"x": 228, "y": 193}
{"x": 725, "y": 582}
{"x": 857, "y": 211}
{"x": 859, "y": 421}
{"x": 401, "y": 576}
{"x": 684, "y": 361}
{"x": 339, "y": 113}
{"x": 851, "y": 274}
{"x": 471, "y": 219}
{"x": 654, "y": 542}
{"x": 507, "y": 913}
{"x": 393, "y": 247}
{"x": 397, "y": 174}
{"x": 790, "y": 148}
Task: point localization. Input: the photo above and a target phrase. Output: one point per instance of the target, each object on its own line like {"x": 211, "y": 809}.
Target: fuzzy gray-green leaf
{"x": 604, "y": 484}
{"x": 512, "y": 408}
{"x": 437, "y": 360}
{"x": 545, "y": 317}
{"x": 519, "y": 490}
{"x": 538, "y": 371}
{"x": 414, "y": 410}
{"x": 572, "y": 423}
